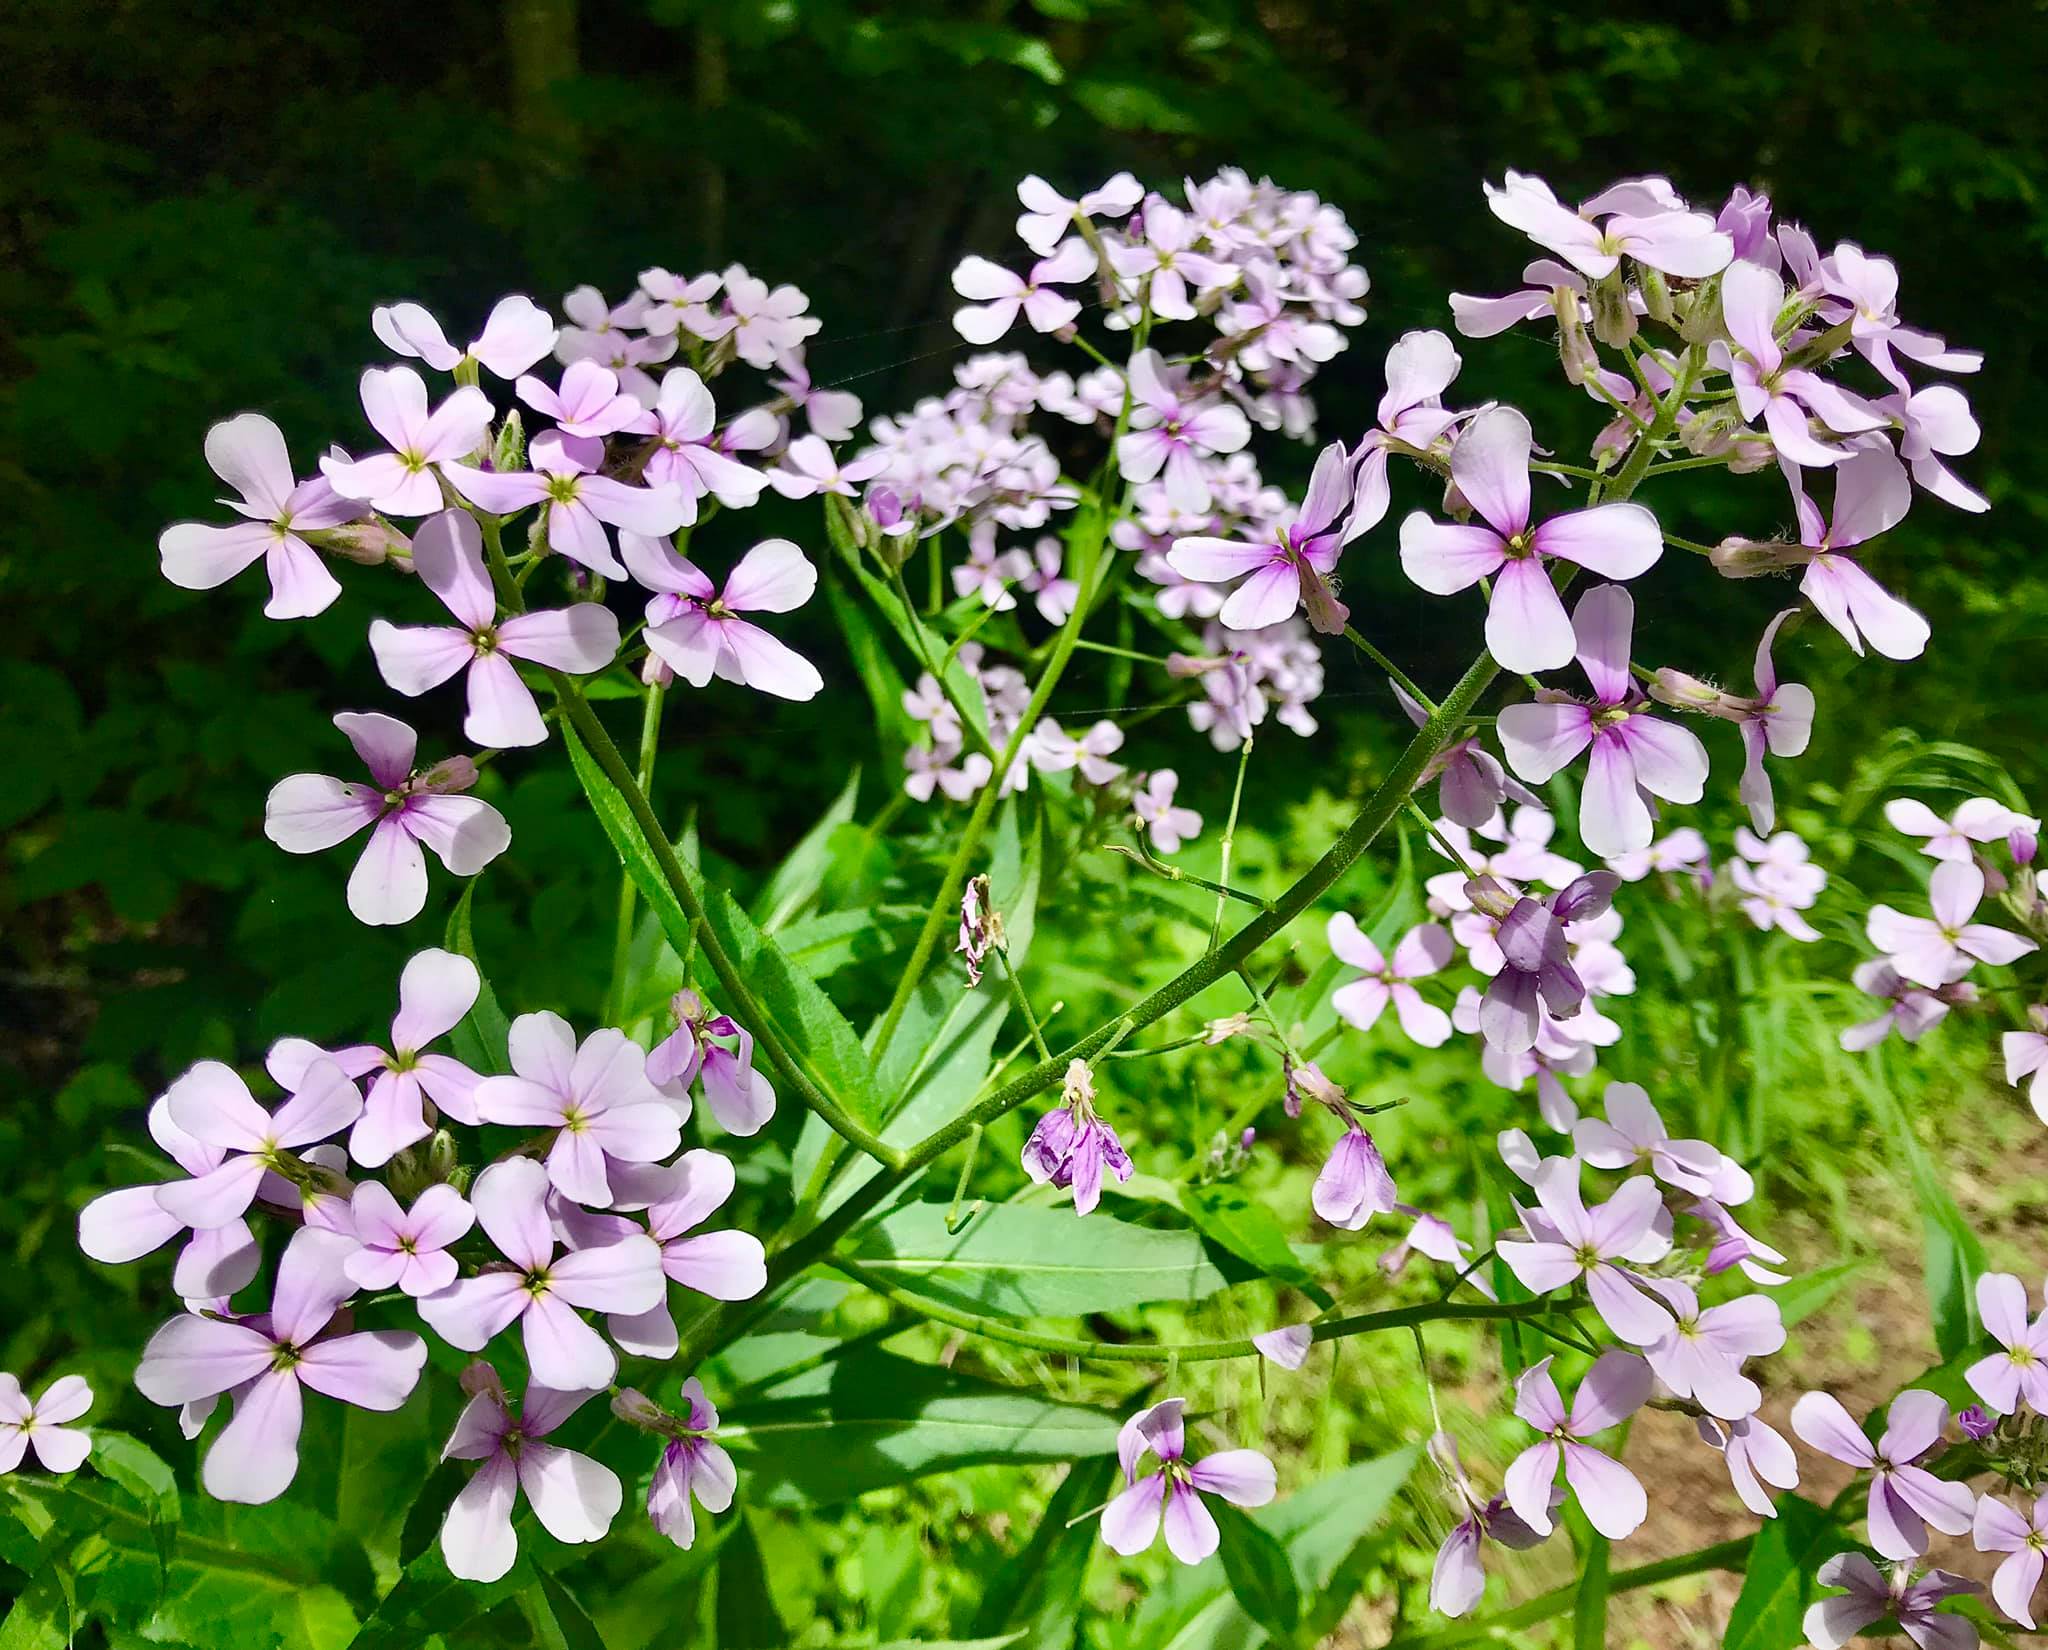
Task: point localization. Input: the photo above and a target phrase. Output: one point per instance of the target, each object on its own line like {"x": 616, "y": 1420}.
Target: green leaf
{"x": 1778, "y": 1581}
{"x": 1017, "y": 1262}
{"x": 797, "y": 1014}
{"x": 1809, "y": 1292}
{"x": 573, "y": 1626}
{"x": 747, "y": 1617}
{"x": 877, "y": 671}
{"x": 801, "y": 874}
{"x": 826, "y": 1434}
{"x": 1230, "y": 1216}
{"x": 479, "y": 1039}
{"x": 1261, "y": 1576}
{"x": 1039, "y": 1589}
{"x": 1589, "y": 1603}
{"x": 146, "y": 1476}
{"x": 41, "y": 1616}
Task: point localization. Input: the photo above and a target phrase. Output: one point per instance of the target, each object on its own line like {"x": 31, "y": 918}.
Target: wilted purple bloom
{"x": 402, "y": 481}
{"x": 1904, "y": 1498}
{"x": 1977, "y": 1423}
{"x": 738, "y": 1092}
{"x": 725, "y": 1265}
{"x": 1471, "y": 783}
{"x": 1733, "y": 1246}
{"x": 1526, "y": 627}
{"x": 248, "y": 453}
{"x": 1130, "y": 1523}
{"x": 40, "y": 1426}
{"x": 2019, "y": 1373}
{"x": 696, "y": 627}
{"x": 517, "y": 333}
{"x": 1586, "y": 1245}
{"x": 1756, "y": 1455}
{"x": 595, "y": 1097}
{"x": 1457, "y": 1579}
{"x": 981, "y": 929}
{"x": 1634, "y": 754}
{"x": 404, "y": 809}
{"x": 1354, "y": 1184}
{"x": 406, "y": 1248}
{"x": 574, "y": 1497}
{"x": 2021, "y": 1533}
{"x": 1610, "y": 1496}
{"x": 1934, "y": 951}
{"x": 1832, "y": 1622}
{"x": 543, "y": 1288}
{"x": 1290, "y": 571}
{"x": 1071, "y": 1146}
{"x": 256, "y": 1457}
{"x": 693, "y": 1464}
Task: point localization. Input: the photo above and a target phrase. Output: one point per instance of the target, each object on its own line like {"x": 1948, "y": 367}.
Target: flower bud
{"x": 1614, "y": 322}
{"x": 508, "y": 452}
{"x": 636, "y": 1409}
{"x": 1488, "y": 896}
{"x": 1682, "y": 692}
{"x": 368, "y": 543}
{"x": 654, "y": 672}
{"x": 2024, "y": 845}
{"x": 1656, "y": 294}
{"x": 443, "y": 1162}
{"x": 1740, "y": 558}
{"x": 1977, "y": 1423}
{"x": 1574, "y": 349}
{"x": 447, "y": 776}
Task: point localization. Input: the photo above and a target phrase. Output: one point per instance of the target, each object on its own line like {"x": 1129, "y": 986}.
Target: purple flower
{"x": 574, "y": 1497}
{"x": 1701, "y": 1358}
{"x": 1526, "y": 627}
{"x": 1778, "y": 721}
{"x": 517, "y": 333}
{"x": 1935, "y": 423}
{"x": 1471, "y": 783}
{"x": 127, "y": 1224}
{"x": 403, "y": 809}
{"x": 212, "y": 1105}
{"x": 1287, "y": 1346}
{"x": 589, "y": 403}
{"x": 579, "y": 502}
{"x": 1048, "y": 214}
{"x": 1536, "y": 971}
{"x": 695, "y": 628}
{"x": 1130, "y": 1523}
{"x": 1752, "y": 298}
{"x": 1634, "y": 1135}
{"x": 1734, "y": 1247}
{"x": 39, "y": 1426}
{"x": 683, "y": 454}
{"x": 1582, "y": 1243}
{"x": 725, "y": 1265}
{"x": 248, "y": 453}
{"x": 1634, "y": 755}
{"x": 1979, "y": 820}
{"x": 1286, "y": 573}
{"x": 1756, "y": 1455}
{"x": 1934, "y": 951}
{"x": 1424, "y": 950}
{"x": 2021, "y": 1533}
{"x": 2018, "y": 1374}
{"x": 1001, "y": 295}
{"x": 257, "y": 1455}
{"x": 2026, "y": 1053}
{"x": 1354, "y": 1184}
{"x": 1646, "y": 221}
{"x": 1161, "y": 255}
{"x": 448, "y": 555}
{"x": 808, "y": 469}
{"x": 737, "y": 1091}
{"x": 692, "y": 1465}
{"x": 1412, "y": 418}
{"x": 833, "y": 414}
{"x": 1977, "y": 1423}
{"x": 1871, "y": 497}
{"x": 401, "y": 482}
{"x": 1174, "y": 431}
{"x": 1551, "y": 285}
{"x": 595, "y": 1097}
{"x": 1613, "y": 1501}
{"x": 1832, "y": 1622}
{"x": 1071, "y": 1146}
{"x": 1457, "y": 1579}
{"x": 406, "y": 1248}
{"x": 1904, "y": 1498}
{"x": 544, "y": 1289}
{"x": 1168, "y": 825}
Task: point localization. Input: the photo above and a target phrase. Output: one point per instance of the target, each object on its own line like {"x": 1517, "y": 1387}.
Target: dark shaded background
{"x": 200, "y": 202}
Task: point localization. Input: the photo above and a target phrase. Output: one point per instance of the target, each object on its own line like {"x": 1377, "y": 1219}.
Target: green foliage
{"x": 1777, "y": 1584}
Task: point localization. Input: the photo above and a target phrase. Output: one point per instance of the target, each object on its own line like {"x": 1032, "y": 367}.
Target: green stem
{"x": 1023, "y": 1003}
{"x": 1244, "y": 759}
{"x": 622, "y": 935}
{"x": 1408, "y": 687}
{"x": 1173, "y": 873}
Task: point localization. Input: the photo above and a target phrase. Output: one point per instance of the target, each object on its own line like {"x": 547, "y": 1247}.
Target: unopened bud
{"x": 655, "y": 672}
{"x": 1977, "y": 1423}
{"x": 636, "y": 1409}
{"x": 1614, "y": 322}
{"x": 1488, "y": 896}
{"x": 1740, "y": 558}
{"x": 368, "y": 543}
{"x": 508, "y": 452}
{"x": 447, "y": 776}
{"x": 1682, "y": 692}
{"x": 2024, "y": 844}
{"x": 1656, "y": 294}
{"x": 442, "y": 1159}
{"x": 1575, "y": 350}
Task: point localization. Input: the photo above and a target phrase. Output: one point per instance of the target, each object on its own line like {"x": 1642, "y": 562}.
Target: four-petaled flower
{"x": 40, "y": 1426}
{"x": 1904, "y": 1497}
{"x": 1571, "y": 1242}
{"x": 402, "y": 481}
{"x": 1289, "y": 571}
{"x": 1933, "y": 951}
{"x": 2019, "y": 1373}
{"x": 1424, "y": 950}
{"x": 1173, "y": 1494}
{"x": 695, "y": 628}
{"x": 579, "y": 502}
{"x": 1609, "y": 1494}
{"x": 406, "y": 1248}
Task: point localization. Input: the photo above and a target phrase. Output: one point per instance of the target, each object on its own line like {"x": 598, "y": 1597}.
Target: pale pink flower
{"x": 1701, "y": 1358}
{"x": 1832, "y": 1622}
{"x": 2019, "y": 1374}
{"x": 1926, "y": 950}
{"x": 693, "y": 1465}
{"x": 1586, "y": 1245}
{"x": 2026, "y": 1054}
{"x": 724, "y": 1265}
{"x": 1161, "y": 255}
{"x": 1131, "y": 1522}
{"x": 579, "y": 502}
{"x": 1904, "y": 1497}
{"x": 2022, "y": 1534}
{"x": 403, "y": 809}
{"x": 668, "y": 301}
{"x": 1910, "y": 1010}
{"x": 248, "y": 453}
{"x": 1756, "y": 1454}
{"x": 685, "y": 454}
{"x": 1778, "y": 721}
{"x": 1171, "y": 430}
{"x": 406, "y": 1248}
{"x": 589, "y": 402}
{"x": 1550, "y": 283}
{"x": 1168, "y": 824}
{"x": 695, "y": 627}
{"x": 1872, "y": 495}
{"x": 1981, "y": 819}
{"x": 1609, "y": 1494}
{"x": 1354, "y": 1184}
{"x": 808, "y": 468}
{"x": 1424, "y": 950}
{"x": 1412, "y": 418}
{"x": 1289, "y": 571}
{"x": 1785, "y": 397}
{"x": 517, "y": 333}
{"x": 1935, "y": 423}
{"x": 127, "y": 1224}
{"x": 213, "y": 1106}
{"x": 1650, "y": 227}
{"x": 449, "y": 557}
{"x": 1769, "y": 903}
{"x": 1000, "y": 295}
{"x": 1048, "y": 214}
{"x": 401, "y": 482}
{"x": 1526, "y": 627}
{"x": 833, "y": 414}
{"x": 40, "y": 1426}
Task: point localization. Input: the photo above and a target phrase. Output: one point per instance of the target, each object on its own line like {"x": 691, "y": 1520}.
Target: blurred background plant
{"x": 200, "y": 202}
